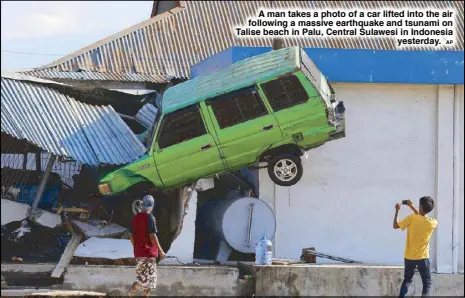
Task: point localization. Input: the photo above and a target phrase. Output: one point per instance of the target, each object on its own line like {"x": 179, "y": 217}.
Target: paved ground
{"x": 48, "y": 293}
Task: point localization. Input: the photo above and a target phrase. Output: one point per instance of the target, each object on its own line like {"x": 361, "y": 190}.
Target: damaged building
{"x": 53, "y": 146}
{"x": 404, "y": 136}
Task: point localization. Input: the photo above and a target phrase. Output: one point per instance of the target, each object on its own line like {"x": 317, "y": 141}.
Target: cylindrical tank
{"x": 239, "y": 221}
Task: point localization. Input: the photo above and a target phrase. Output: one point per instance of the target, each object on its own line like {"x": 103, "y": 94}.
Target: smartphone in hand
{"x": 404, "y": 202}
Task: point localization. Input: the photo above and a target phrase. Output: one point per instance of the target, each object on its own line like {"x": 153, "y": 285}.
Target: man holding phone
{"x": 419, "y": 227}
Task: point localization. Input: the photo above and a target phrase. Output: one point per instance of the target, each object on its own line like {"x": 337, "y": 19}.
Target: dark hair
{"x": 427, "y": 204}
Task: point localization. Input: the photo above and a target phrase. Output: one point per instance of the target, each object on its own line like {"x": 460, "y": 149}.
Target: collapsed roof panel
{"x": 63, "y": 126}
{"x": 146, "y": 116}
{"x": 168, "y": 44}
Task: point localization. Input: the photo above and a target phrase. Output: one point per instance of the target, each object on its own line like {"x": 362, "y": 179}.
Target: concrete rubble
{"x": 105, "y": 248}
{"x": 99, "y": 229}
{"x": 101, "y": 240}
{"x": 14, "y": 211}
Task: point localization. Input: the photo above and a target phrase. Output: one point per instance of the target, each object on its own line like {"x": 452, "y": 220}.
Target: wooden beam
{"x": 42, "y": 185}
{"x": 25, "y": 154}
{"x": 71, "y": 209}
{"x": 154, "y": 9}
{"x": 38, "y": 161}
{"x": 67, "y": 255}
{"x": 277, "y": 43}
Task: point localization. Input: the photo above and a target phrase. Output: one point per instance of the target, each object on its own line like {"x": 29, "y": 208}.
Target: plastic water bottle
{"x": 263, "y": 252}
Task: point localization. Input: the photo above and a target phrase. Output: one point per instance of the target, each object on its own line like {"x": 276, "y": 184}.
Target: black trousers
{"x": 424, "y": 268}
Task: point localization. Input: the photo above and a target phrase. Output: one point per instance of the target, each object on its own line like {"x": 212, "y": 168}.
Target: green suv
{"x": 268, "y": 108}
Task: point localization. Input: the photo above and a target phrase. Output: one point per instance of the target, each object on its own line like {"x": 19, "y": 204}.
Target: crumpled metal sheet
{"x": 63, "y": 126}
{"x": 146, "y": 115}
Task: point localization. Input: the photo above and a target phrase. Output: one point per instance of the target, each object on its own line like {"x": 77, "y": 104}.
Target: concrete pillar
{"x": 267, "y": 191}
{"x": 183, "y": 246}
{"x": 444, "y": 179}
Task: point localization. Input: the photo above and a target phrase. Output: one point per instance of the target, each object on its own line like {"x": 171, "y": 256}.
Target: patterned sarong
{"x": 146, "y": 272}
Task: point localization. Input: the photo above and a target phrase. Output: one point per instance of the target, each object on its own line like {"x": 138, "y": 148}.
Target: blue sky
{"x": 44, "y": 31}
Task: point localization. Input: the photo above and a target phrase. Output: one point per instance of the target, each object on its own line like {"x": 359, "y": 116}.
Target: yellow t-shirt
{"x": 419, "y": 231}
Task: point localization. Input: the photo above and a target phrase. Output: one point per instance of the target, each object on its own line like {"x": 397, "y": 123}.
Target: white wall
{"x": 182, "y": 247}
{"x": 461, "y": 206}
{"x": 344, "y": 204}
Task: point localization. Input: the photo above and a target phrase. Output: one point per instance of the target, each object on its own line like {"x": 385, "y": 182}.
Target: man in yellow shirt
{"x": 419, "y": 227}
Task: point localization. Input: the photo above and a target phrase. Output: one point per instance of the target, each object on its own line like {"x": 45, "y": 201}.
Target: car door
{"x": 296, "y": 106}
{"x": 185, "y": 151}
{"x": 244, "y": 127}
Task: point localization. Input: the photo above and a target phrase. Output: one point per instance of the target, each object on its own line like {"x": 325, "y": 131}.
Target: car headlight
{"x": 104, "y": 188}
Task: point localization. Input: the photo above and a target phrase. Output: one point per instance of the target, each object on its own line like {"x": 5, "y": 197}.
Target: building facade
{"x": 404, "y": 140}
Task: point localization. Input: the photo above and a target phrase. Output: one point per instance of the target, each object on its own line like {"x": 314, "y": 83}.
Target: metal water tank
{"x": 240, "y": 221}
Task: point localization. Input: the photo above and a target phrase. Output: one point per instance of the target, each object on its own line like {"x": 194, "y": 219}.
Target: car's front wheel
{"x": 285, "y": 170}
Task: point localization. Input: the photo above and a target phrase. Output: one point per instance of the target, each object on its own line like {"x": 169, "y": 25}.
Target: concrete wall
{"x": 461, "y": 205}
{"x": 183, "y": 246}
{"x": 344, "y": 203}
{"x": 303, "y": 280}
{"x": 172, "y": 280}
{"x": 326, "y": 280}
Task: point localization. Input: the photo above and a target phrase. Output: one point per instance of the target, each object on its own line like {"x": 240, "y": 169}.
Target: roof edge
{"x": 18, "y": 76}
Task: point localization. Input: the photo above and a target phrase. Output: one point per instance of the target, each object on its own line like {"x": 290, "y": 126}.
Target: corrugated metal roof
{"x": 238, "y": 75}
{"x": 146, "y": 115}
{"x": 98, "y": 76}
{"x": 169, "y": 44}
{"x": 63, "y": 126}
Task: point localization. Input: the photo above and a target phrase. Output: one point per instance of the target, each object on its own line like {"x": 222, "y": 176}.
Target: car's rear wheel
{"x": 285, "y": 170}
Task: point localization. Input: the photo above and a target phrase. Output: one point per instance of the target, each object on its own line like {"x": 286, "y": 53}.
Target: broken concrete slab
{"x": 108, "y": 231}
{"x": 4, "y": 284}
{"x": 15, "y": 211}
{"x": 48, "y": 219}
{"x": 105, "y": 248}
{"x": 204, "y": 184}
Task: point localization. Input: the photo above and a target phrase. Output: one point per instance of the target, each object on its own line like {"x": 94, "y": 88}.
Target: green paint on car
{"x": 271, "y": 107}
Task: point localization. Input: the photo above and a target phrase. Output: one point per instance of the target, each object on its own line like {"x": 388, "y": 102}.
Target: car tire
{"x": 285, "y": 170}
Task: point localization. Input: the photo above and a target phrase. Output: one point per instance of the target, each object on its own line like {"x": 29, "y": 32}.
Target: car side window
{"x": 284, "y": 92}
{"x": 237, "y": 107}
{"x": 180, "y": 126}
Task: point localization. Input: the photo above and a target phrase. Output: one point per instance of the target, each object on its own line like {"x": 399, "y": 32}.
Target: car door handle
{"x": 268, "y": 127}
{"x": 205, "y": 147}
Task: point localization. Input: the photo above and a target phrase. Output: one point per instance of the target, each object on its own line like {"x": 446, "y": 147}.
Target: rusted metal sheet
{"x": 167, "y": 45}
{"x": 63, "y": 126}
{"x": 98, "y": 76}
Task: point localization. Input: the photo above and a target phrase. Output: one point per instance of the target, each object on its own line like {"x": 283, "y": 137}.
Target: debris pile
{"x": 4, "y": 284}
{"x": 28, "y": 241}
{"x": 43, "y": 236}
